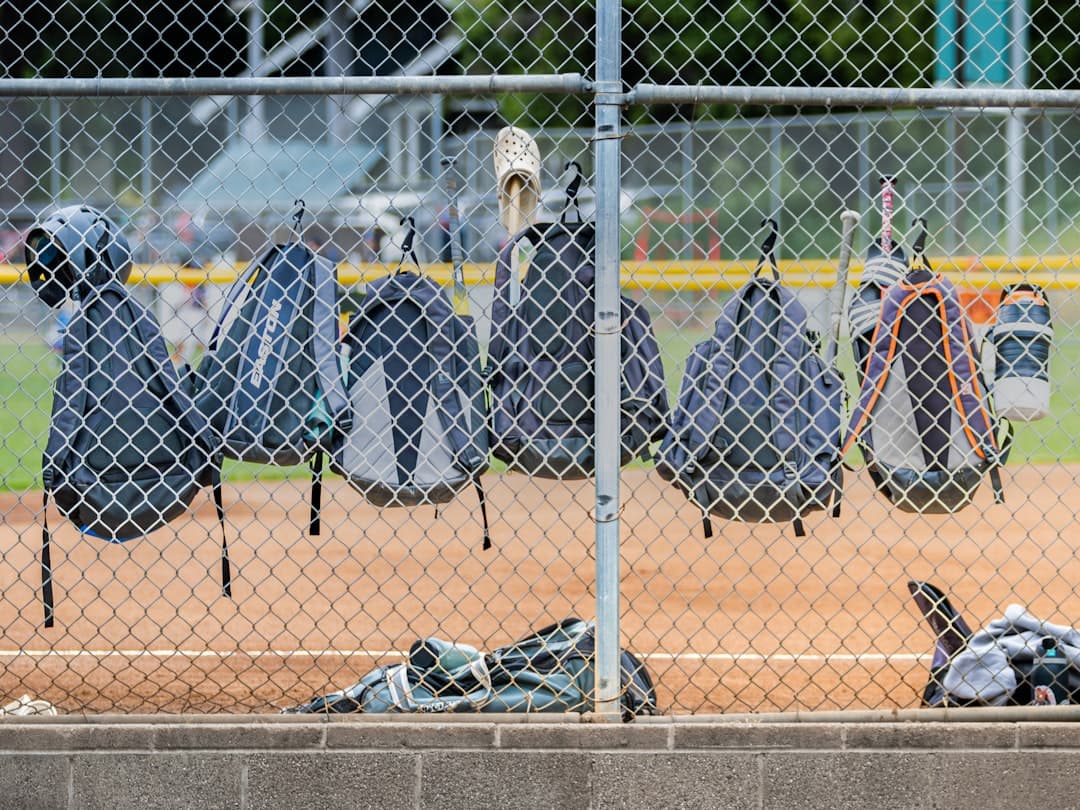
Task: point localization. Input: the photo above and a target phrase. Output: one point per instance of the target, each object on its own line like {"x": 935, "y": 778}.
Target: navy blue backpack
{"x": 127, "y": 450}
{"x": 269, "y": 384}
{"x": 755, "y": 434}
{"x": 541, "y": 360}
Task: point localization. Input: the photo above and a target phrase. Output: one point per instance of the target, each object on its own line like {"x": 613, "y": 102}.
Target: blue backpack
{"x": 127, "y": 451}
{"x": 541, "y": 358}
{"x": 755, "y": 434}
{"x": 270, "y": 382}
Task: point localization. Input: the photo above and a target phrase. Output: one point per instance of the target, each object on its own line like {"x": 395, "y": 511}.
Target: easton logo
{"x": 266, "y": 342}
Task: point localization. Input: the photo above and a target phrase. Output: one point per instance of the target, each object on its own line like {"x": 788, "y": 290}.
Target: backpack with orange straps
{"x": 925, "y": 420}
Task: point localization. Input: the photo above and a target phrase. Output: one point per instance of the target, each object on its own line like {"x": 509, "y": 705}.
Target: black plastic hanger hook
{"x": 572, "y": 189}
{"x": 407, "y": 250}
{"x": 768, "y": 248}
{"x": 298, "y": 218}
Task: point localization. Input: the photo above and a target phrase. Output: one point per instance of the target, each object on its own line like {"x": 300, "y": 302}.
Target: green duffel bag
{"x": 551, "y": 670}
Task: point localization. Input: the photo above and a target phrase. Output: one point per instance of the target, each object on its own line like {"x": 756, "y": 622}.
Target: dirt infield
{"x": 753, "y": 620}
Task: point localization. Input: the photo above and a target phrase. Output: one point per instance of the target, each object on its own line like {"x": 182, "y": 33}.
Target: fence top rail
{"x": 564, "y": 83}
{"x": 890, "y": 97}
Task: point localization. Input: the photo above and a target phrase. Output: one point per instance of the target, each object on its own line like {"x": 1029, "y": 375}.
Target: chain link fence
{"x": 201, "y": 131}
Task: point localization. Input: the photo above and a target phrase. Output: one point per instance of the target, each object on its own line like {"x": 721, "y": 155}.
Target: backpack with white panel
{"x": 418, "y": 433}
{"x": 925, "y": 420}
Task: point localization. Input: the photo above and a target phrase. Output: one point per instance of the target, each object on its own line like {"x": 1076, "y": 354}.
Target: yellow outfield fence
{"x": 982, "y": 272}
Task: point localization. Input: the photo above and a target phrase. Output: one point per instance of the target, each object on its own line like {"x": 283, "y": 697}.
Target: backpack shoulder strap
{"x": 325, "y": 341}
{"x": 785, "y": 380}
{"x": 965, "y": 380}
{"x": 238, "y": 290}
{"x": 148, "y": 335}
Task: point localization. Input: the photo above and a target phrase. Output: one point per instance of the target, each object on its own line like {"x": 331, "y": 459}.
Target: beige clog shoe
{"x": 517, "y": 175}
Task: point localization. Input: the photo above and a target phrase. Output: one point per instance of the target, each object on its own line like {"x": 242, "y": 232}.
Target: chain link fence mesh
{"x": 754, "y": 618}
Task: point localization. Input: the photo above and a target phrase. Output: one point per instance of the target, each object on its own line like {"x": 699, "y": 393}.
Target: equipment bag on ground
{"x": 127, "y": 450}
{"x": 541, "y": 358}
{"x": 419, "y": 424}
{"x": 1004, "y": 664}
{"x": 552, "y": 670}
{"x": 755, "y": 434}
{"x": 924, "y": 420}
{"x": 270, "y": 383}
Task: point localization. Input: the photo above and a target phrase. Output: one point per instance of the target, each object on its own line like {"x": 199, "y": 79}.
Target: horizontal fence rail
{"x": 292, "y": 86}
{"x": 983, "y": 272}
{"x": 890, "y": 97}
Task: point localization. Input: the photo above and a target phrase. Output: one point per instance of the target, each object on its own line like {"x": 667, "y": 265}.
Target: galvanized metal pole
{"x": 255, "y": 123}
{"x": 688, "y": 229}
{"x": 340, "y": 55}
{"x": 776, "y": 181}
{"x": 146, "y": 147}
{"x": 56, "y": 123}
{"x": 1014, "y": 134}
{"x": 607, "y": 101}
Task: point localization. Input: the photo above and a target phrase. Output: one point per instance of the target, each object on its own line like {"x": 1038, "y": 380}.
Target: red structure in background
{"x": 691, "y": 220}
{"x": 980, "y": 303}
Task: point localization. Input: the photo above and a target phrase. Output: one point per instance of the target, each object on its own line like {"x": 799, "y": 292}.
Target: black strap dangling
{"x": 483, "y": 511}
{"x": 46, "y": 563}
{"x": 316, "y": 494}
{"x": 226, "y": 567}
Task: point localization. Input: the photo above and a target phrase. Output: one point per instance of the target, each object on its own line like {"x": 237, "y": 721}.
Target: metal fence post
{"x": 608, "y": 99}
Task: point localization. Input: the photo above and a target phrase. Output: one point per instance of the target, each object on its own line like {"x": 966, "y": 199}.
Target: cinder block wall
{"x": 551, "y": 763}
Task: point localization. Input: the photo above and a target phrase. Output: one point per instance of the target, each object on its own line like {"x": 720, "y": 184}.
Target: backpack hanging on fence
{"x": 419, "y": 426}
{"x": 885, "y": 265}
{"x": 755, "y": 434}
{"x": 270, "y": 382}
{"x": 1021, "y": 337}
{"x": 552, "y": 670}
{"x": 127, "y": 450}
{"x": 924, "y": 419}
{"x": 541, "y": 357}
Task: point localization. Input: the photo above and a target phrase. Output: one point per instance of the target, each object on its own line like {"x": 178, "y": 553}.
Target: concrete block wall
{"x": 408, "y": 763}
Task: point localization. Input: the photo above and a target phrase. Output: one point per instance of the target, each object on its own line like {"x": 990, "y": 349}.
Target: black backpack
{"x": 541, "y": 360}
{"x": 270, "y": 382}
{"x": 127, "y": 450}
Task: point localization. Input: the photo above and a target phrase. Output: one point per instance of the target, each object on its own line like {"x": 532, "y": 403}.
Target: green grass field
{"x": 27, "y": 369}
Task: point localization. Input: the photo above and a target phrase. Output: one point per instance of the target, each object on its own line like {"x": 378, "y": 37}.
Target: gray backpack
{"x": 127, "y": 451}
{"x": 925, "y": 420}
{"x": 419, "y": 431}
{"x": 270, "y": 382}
{"x": 755, "y": 434}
